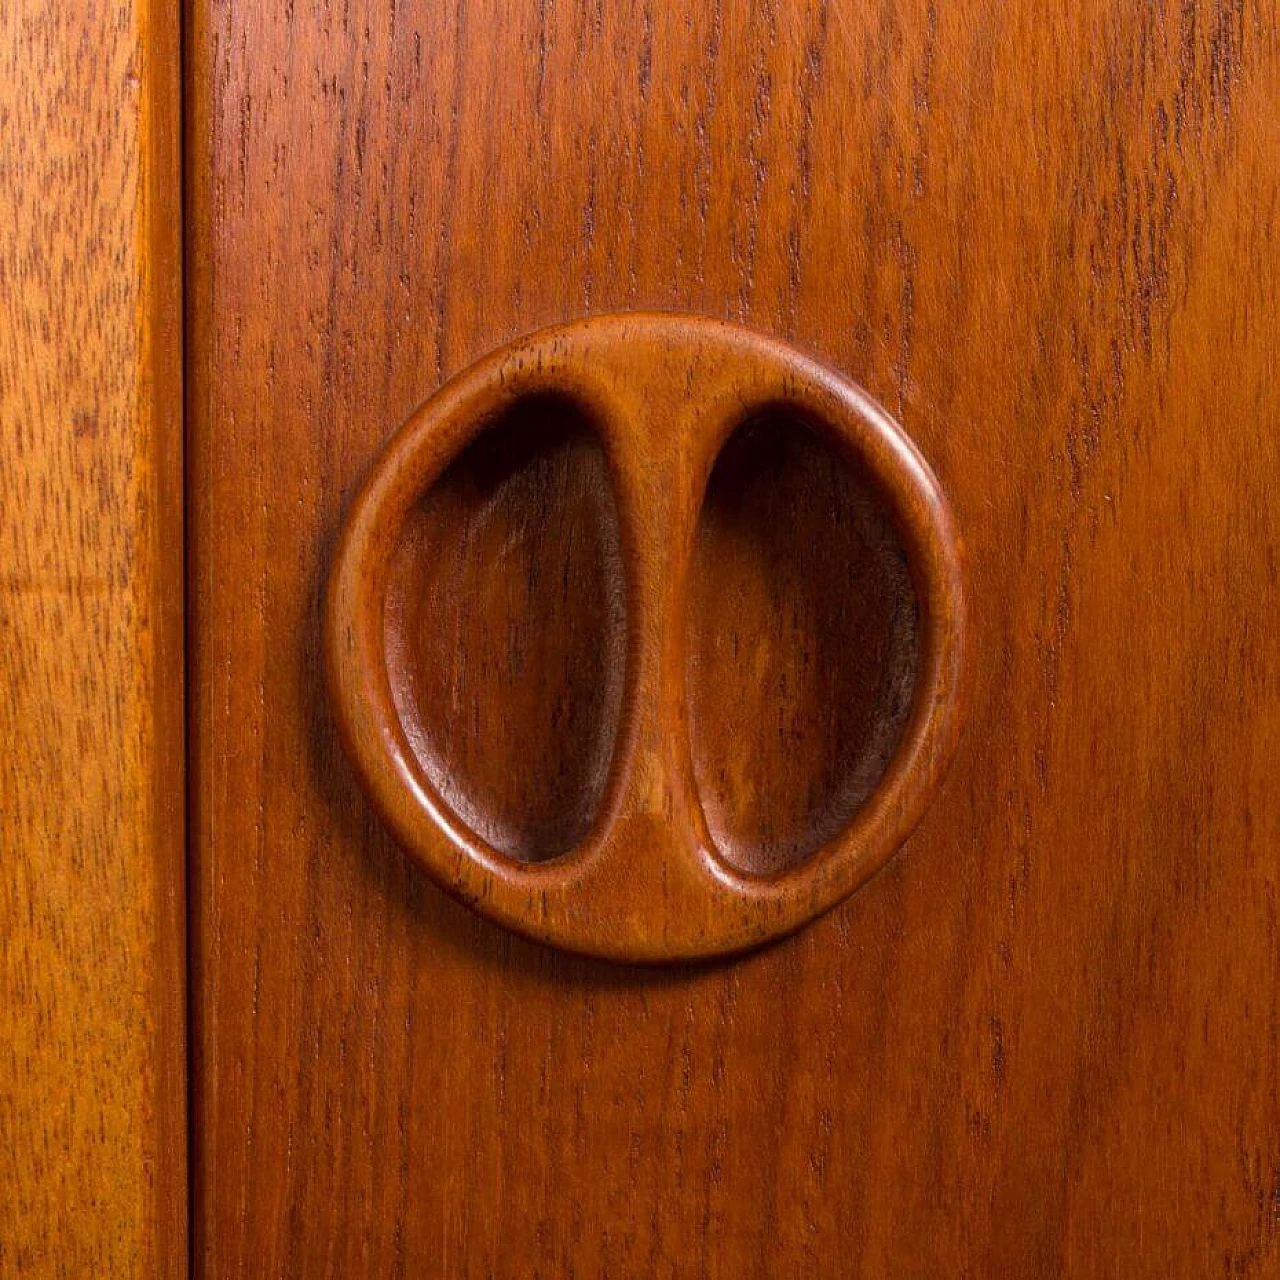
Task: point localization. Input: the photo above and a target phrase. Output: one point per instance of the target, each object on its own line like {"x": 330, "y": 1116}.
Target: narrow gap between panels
{"x": 189, "y": 743}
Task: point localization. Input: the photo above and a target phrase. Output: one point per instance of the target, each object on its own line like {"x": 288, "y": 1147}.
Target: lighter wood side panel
{"x": 92, "y": 1057}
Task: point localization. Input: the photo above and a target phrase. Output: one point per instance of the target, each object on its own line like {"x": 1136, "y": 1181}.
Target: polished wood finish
{"x": 92, "y": 1057}
{"x": 868, "y": 683}
{"x": 1042, "y": 1041}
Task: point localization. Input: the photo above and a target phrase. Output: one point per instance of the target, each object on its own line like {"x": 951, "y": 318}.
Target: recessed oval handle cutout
{"x": 803, "y": 642}
{"x": 505, "y": 629}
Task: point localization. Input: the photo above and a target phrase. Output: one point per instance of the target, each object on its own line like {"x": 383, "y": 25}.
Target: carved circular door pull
{"x": 646, "y": 637}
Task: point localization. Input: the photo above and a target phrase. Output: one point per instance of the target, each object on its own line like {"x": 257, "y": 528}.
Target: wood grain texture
{"x": 1044, "y": 1040}
{"x": 93, "y": 1175}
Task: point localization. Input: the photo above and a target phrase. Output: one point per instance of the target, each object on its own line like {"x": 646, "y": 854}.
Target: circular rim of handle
{"x": 606, "y": 897}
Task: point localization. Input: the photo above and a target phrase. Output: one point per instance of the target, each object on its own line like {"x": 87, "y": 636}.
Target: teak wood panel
{"x": 93, "y": 1174}
{"x": 1043, "y": 1040}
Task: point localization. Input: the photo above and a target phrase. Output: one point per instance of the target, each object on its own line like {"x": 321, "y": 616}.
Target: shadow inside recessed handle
{"x": 803, "y": 643}
{"x": 505, "y": 629}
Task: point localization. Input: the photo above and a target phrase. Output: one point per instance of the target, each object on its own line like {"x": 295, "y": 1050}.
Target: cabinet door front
{"x": 734, "y": 702}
